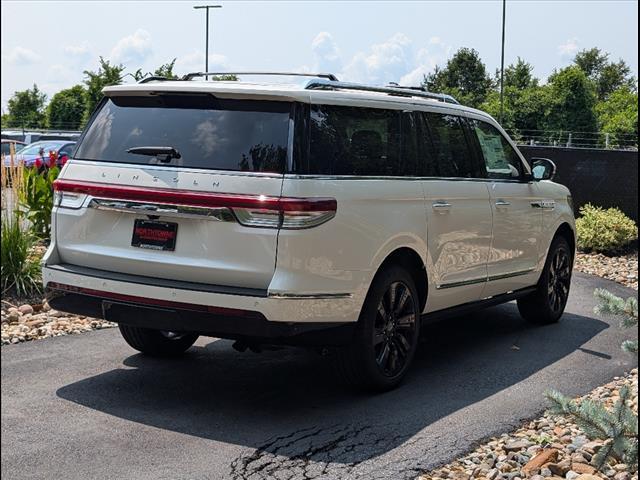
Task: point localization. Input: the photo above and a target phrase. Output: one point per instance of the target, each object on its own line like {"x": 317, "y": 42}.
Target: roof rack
{"x": 322, "y": 84}
{"x": 328, "y": 76}
{"x": 155, "y": 78}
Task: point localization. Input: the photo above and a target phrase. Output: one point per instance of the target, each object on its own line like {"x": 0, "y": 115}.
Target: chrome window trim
{"x": 292, "y": 176}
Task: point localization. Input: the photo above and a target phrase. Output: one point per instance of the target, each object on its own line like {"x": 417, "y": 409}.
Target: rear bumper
{"x": 292, "y": 320}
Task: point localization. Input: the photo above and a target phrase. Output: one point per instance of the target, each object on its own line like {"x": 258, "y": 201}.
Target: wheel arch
{"x": 409, "y": 259}
{"x": 565, "y": 230}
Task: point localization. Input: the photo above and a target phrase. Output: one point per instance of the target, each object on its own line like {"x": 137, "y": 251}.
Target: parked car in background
{"x": 6, "y": 146}
{"x": 38, "y": 154}
{"x": 28, "y": 137}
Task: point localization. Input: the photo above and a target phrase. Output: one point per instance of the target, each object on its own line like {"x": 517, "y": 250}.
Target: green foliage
{"x": 67, "y": 107}
{"x": 520, "y": 75}
{"x": 465, "y": 77}
{"x": 166, "y": 70}
{"x": 37, "y": 200}
{"x": 627, "y": 310}
{"x": 26, "y": 109}
{"x": 106, "y": 75}
{"x": 604, "y": 230}
{"x": 224, "y": 78}
{"x": 607, "y": 76}
{"x": 618, "y": 427}
{"x": 618, "y": 116}
{"x": 20, "y": 271}
{"x": 573, "y": 100}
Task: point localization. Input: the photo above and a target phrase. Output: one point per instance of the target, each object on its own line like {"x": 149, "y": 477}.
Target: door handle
{"x": 502, "y": 203}
{"x": 441, "y": 205}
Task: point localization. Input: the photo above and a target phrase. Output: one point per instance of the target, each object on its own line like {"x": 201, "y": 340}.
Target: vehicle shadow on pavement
{"x": 286, "y": 404}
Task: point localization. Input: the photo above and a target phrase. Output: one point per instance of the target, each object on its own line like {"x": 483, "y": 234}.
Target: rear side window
{"x": 453, "y": 156}
{"x": 210, "y": 133}
{"x": 356, "y": 141}
{"x": 500, "y": 159}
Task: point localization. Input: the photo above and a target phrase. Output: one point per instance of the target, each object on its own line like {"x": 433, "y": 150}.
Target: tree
{"x": 26, "y": 108}
{"x": 465, "y": 77}
{"x": 591, "y": 61}
{"x": 106, "y": 75}
{"x": 618, "y": 115}
{"x": 166, "y": 70}
{"x": 572, "y": 101}
{"x": 607, "y": 76}
{"x": 520, "y": 75}
{"x": 618, "y": 427}
{"x": 67, "y": 107}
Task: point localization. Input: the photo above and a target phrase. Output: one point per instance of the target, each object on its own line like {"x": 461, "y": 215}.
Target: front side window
{"x": 500, "y": 159}
{"x": 356, "y": 141}
{"x": 453, "y": 156}
{"x": 210, "y": 133}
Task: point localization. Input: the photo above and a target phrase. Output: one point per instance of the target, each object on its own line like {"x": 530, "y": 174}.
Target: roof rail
{"x": 155, "y": 78}
{"x": 328, "y": 76}
{"x": 321, "y": 84}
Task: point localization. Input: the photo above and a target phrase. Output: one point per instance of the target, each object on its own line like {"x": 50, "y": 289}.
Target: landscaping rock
{"x": 25, "y": 309}
{"x": 533, "y": 452}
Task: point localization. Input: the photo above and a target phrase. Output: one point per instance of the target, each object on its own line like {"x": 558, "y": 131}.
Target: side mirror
{"x": 543, "y": 169}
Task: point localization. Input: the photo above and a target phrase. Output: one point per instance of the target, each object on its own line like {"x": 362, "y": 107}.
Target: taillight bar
{"x": 307, "y": 212}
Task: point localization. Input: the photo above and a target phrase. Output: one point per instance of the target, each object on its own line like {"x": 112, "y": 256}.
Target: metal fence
{"x": 567, "y": 139}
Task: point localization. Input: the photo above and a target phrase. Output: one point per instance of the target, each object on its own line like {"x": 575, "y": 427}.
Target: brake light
{"x": 249, "y": 210}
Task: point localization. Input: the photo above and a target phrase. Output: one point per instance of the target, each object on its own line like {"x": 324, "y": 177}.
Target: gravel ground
{"x": 550, "y": 447}
{"x": 622, "y": 269}
{"x": 25, "y": 322}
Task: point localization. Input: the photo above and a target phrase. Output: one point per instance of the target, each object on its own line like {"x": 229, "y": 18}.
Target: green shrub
{"x": 604, "y": 230}
{"x": 37, "y": 199}
{"x": 20, "y": 270}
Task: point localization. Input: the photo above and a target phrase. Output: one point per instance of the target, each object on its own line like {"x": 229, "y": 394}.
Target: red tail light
{"x": 249, "y": 210}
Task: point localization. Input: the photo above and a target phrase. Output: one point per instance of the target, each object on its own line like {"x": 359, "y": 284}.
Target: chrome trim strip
{"x": 311, "y": 296}
{"x": 492, "y": 278}
{"x": 221, "y": 214}
{"x": 544, "y": 204}
{"x": 461, "y": 283}
{"x": 291, "y": 176}
{"x": 509, "y": 275}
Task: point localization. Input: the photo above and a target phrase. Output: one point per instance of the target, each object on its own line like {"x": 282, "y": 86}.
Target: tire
{"x": 546, "y": 305}
{"x": 386, "y": 336}
{"x": 157, "y": 343}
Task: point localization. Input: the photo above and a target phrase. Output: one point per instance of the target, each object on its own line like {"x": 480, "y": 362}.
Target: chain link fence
{"x": 568, "y": 139}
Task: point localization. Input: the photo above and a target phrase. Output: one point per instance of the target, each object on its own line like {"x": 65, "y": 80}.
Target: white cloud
{"x": 77, "y": 50}
{"x": 327, "y": 53}
{"x": 569, "y": 48}
{"x": 132, "y": 48}
{"x": 21, "y": 56}
{"x": 194, "y": 62}
{"x": 394, "y": 60}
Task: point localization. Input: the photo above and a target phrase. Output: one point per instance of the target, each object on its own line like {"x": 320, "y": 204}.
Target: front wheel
{"x": 386, "y": 336}
{"x": 157, "y": 343}
{"x": 546, "y": 305}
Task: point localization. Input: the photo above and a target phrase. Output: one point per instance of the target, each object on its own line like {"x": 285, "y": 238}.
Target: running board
{"x": 475, "y": 306}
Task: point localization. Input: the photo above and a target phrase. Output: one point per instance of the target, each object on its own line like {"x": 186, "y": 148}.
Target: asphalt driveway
{"x": 87, "y": 406}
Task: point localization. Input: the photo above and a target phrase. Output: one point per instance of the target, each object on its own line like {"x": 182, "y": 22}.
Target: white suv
{"x": 328, "y": 214}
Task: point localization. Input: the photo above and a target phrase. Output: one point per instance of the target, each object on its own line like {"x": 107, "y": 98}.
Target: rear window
{"x": 211, "y": 133}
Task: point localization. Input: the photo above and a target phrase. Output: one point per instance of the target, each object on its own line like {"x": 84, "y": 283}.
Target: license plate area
{"x": 154, "y": 235}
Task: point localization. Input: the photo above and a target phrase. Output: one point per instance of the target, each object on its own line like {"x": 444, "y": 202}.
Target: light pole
{"x": 206, "y": 45}
{"x": 504, "y": 12}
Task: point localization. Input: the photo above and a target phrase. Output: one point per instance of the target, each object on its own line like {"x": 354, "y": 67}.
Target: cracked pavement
{"x": 88, "y": 406}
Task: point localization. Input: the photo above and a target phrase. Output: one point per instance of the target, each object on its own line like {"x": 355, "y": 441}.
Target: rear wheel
{"x": 546, "y": 305}
{"x": 157, "y": 343}
{"x": 386, "y": 336}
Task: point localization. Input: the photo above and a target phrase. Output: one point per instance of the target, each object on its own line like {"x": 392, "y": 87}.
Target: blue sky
{"x": 51, "y": 43}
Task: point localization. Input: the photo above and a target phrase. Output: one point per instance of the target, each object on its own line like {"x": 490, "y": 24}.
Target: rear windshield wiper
{"x": 164, "y": 154}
